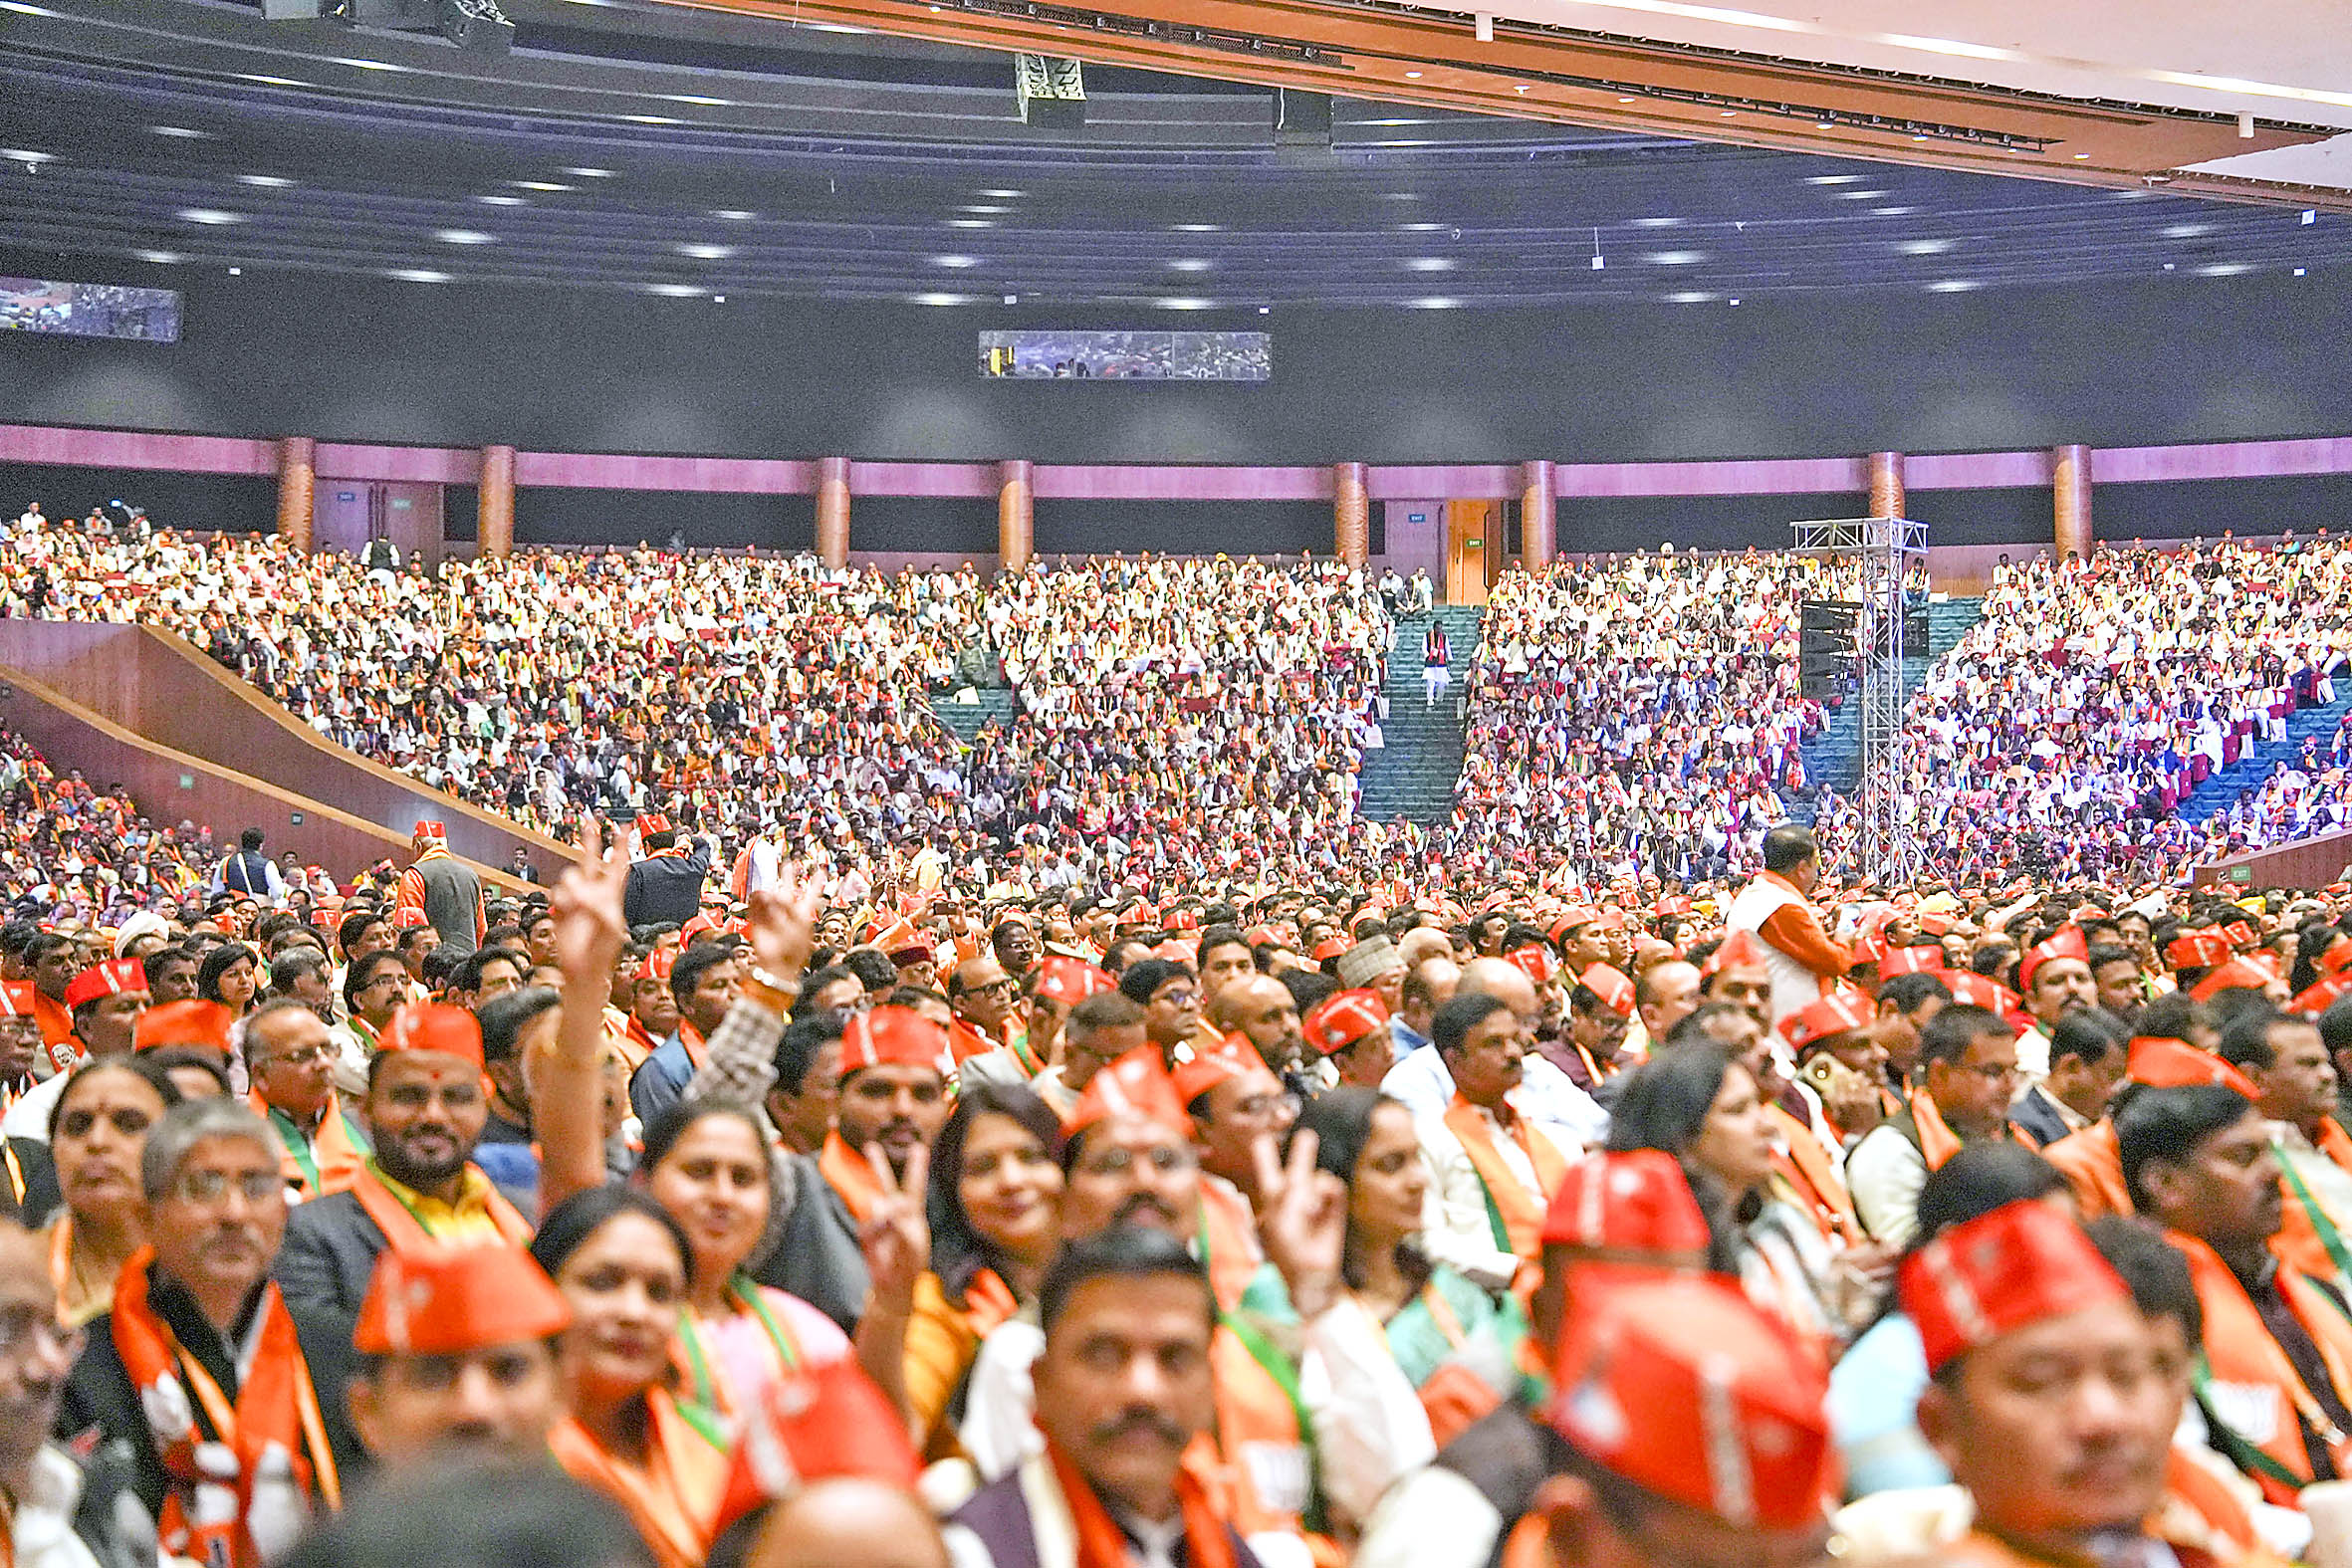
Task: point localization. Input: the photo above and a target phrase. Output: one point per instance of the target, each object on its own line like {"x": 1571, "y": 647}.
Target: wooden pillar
{"x": 1017, "y": 522}
{"x": 1538, "y": 514}
{"x": 1886, "y": 484}
{"x": 494, "y": 536}
{"x": 1352, "y": 514}
{"x": 2070, "y": 494}
{"x": 297, "y": 487}
{"x": 832, "y": 510}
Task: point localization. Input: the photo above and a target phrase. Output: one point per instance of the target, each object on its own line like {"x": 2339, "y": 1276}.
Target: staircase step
{"x": 1414, "y": 773}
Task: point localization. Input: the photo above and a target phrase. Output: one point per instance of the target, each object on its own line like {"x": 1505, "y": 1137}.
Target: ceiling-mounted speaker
{"x": 1051, "y": 91}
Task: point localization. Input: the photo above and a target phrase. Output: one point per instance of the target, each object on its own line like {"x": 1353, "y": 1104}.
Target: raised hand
{"x": 587, "y": 905}
{"x": 1302, "y": 1221}
{"x": 896, "y": 1233}
{"x": 781, "y": 926}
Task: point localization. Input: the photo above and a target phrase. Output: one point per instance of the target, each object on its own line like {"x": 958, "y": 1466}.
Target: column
{"x": 1538, "y": 514}
{"x": 494, "y": 536}
{"x": 2070, "y": 493}
{"x": 1886, "y": 484}
{"x": 832, "y": 510}
{"x": 1017, "y": 520}
{"x": 1352, "y": 514}
{"x": 297, "y": 487}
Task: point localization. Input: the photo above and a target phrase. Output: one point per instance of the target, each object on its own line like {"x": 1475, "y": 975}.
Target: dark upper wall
{"x": 2180, "y": 358}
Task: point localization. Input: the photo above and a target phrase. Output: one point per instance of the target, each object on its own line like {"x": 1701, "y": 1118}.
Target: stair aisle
{"x": 2219, "y": 789}
{"x": 966, "y": 718}
{"x": 1414, "y": 773}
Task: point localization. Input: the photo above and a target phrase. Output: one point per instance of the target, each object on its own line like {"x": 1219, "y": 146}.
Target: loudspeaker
{"x": 476, "y": 25}
{"x": 1824, "y": 646}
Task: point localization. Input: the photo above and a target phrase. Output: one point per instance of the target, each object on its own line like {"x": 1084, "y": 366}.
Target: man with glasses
{"x": 289, "y": 1058}
{"x": 1170, "y": 996}
{"x": 374, "y": 987}
{"x": 985, "y": 1000}
{"x": 1967, "y": 1075}
{"x": 229, "y": 1396}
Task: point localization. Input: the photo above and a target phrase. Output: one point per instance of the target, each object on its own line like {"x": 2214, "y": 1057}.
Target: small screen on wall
{"x": 1128, "y": 357}
{"x": 90, "y": 310}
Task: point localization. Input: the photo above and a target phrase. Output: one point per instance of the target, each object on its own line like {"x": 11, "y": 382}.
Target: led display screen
{"x": 1128, "y": 357}
{"x": 90, "y": 310}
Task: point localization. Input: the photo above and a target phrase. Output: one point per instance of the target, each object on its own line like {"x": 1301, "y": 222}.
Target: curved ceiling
{"x": 689, "y": 152}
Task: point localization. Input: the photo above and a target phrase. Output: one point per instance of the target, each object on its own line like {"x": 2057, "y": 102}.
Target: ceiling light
{"x": 1267, "y": 310}
{"x": 733, "y": 214}
{"x": 538, "y": 184}
{"x": 464, "y": 237}
{"x": 1861, "y": 195}
{"x": 1730, "y": 113}
{"x": 955, "y": 261}
{"x": 1924, "y": 247}
{"x": 2187, "y": 231}
{"x": 236, "y": 272}
{"x": 182, "y": 132}
{"x": 1952, "y": 285}
{"x": 1833, "y": 179}
{"x": 1197, "y": 228}
{"x": 209, "y": 216}
{"x": 941, "y": 299}
{"x": 2224, "y": 269}
{"x": 651, "y": 119}
{"x": 982, "y": 206}
{"x": 2298, "y": 272}
{"x": 1519, "y": 87}
{"x": 265, "y": 181}
{"x": 697, "y": 97}
{"x": 999, "y": 193}
{"x": 418, "y": 275}
{"x": 2079, "y": 157}
{"x": 1187, "y": 305}
{"x": 1419, "y": 228}
{"x": 971, "y": 223}
{"x": 591, "y": 173}
{"x": 1402, "y": 195}
{"x": 369, "y": 65}
{"x": 1891, "y": 212}
{"x": 27, "y": 155}
{"x": 1431, "y": 263}
{"x": 159, "y": 258}
{"x": 2310, "y": 215}
{"x": 1676, "y": 258}
{"x": 247, "y": 76}
{"x": 1824, "y": 124}
{"x": 503, "y": 201}
{"x": 1191, "y": 264}
{"x": 1413, "y": 74}
{"x": 1691, "y": 297}
{"x": 1435, "y": 302}
{"x": 674, "y": 291}
{"x": 22, "y": 9}
{"x": 1734, "y": 300}
{"x": 718, "y": 299}
{"x": 1919, "y": 138}
{"x": 707, "y": 252}
{"x": 1626, "y": 99}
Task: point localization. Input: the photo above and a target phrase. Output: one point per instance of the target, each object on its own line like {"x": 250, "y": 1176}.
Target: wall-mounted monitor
{"x": 90, "y": 310}
{"x": 1126, "y": 356}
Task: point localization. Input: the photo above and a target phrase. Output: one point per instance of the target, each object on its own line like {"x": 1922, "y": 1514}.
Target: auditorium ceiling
{"x": 693, "y": 153}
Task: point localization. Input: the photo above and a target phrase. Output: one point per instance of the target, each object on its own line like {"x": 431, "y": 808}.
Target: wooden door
{"x": 1469, "y": 526}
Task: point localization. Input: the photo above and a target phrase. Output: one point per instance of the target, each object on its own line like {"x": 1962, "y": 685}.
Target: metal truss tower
{"x": 1885, "y": 845}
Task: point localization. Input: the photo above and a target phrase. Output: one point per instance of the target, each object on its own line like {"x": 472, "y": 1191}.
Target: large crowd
{"x": 1100, "y": 1148}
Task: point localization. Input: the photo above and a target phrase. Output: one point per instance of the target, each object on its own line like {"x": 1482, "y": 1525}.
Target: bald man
{"x": 848, "y": 1523}
{"x": 1422, "y": 944}
{"x": 1262, "y": 1008}
{"x": 1545, "y": 1094}
{"x": 1428, "y": 986}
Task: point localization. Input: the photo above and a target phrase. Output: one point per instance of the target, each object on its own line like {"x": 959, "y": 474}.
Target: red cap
{"x": 1184, "y": 920}
{"x": 2335, "y": 959}
{"x": 891, "y": 1036}
{"x": 433, "y": 1027}
{"x": 2067, "y": 944}
{"x": 652, "y": 822}
{"x": 1685, "y": 1389}
{"x": 2321, "y": 994}
{"x": 1139, "y": 1085}
{"x": 1231, "y": 1058}
{"x": 205, "y": 1024}
{"x": 2161, "y": 1063}
{"x": 2023, "y": 1263}
{"x": 658, "y": 964}
{"x": 408, "y": 919}
{"x": 1329, "y": 948}
{"x": 1911, "y": 961}
{"x": 2202, "y": 947}
{"x": 1980, "y": 990}
{"x": 1609, "y": 918}
{"x": 1612, "y": 986}
{"x": 425, "y": 829}
{"x": 1071, "y": 980}
{"x": 1740, "y": 950}
{"x": 1636, "y": 1202}
{"x": 1841, "y": 1011}
{"x": 449, "y": 1301}
{"x": 1535, "y": 962}
{"x": 696, "y": 927}
{"x": 107, "y": 978}
{"x": 2235, "y": 975}
{"x": 16, "y": 999}
{"x": 1343, "y": 1019}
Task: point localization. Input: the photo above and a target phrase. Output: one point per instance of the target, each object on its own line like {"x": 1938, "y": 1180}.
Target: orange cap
{"x": 893, "y": 1036}
{"x": 1979, "y": 991}
{"x": 431, "y": 830}
{"x": 16, "y": 999}
{"x": 1071, "y": 980}
{"x": 2235, "y": 975}
{"x": 448, "y": 1300}
{"x": 1911, "y": 961}
{"x": 1740, "y": 950}
{"x": 433, "y": 1027}
{"x": 1231, "y": 1058}
{"x": 2321, "y": 994}
{"x": 2202, "y": 947}
{"x": 2021, "y": 1265}
{"x": 1329, "y": 948}
{"x": 2161, "y": 1063}
{"x": 1688, "y": 1392}
{"x": 2067, "y": 944}
{"x": 1343, "y": 1019}
{"x": 1535, "y": 962}
{"x": 1841, "y": 1011}
{"x": 658, "y": 964}
{"x": 1612, "y": 986}
{"x": 1139, "y": 1085}
{"x": 408, "y": 919}
{"x": 649, "y": 822}
{"x": 204, "y": 1023}
{"x": 107, "y": 978}
{"x": 1636, "y": 1202}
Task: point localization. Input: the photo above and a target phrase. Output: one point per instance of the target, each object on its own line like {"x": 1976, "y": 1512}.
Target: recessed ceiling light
{"x": 1402, "y": 195}
{"x": 1691, "y": 297}
{"x": 1924, "y": 247}
{"x": 247, "y": 76}
{"x": 1267, "y": 310}
{"x": 368, "y": 65}
{"x": 1657, "y": 223}
{"x": 538, "y": 184}
{"x": 955, "y": 261}
{"x": 265, "y": 181}
{"x": 418, "y": 275}
{"x": 1419, "y": 228}
{"x": 27, "y": 155}
{"x": 733, "y": 214}
{"x": 674, "y": 291}
{"x": 464, "y": 237}
{"x": 2298, "y": 272}
{"x": 503, "y": 201}
{"x": 209, "y": 216}
{"x": 718, "y": 299}
{"x": 1187, "y": 304}
{"x": 982, "y": 206}
{"x": 159, "y": 258}
{"x": 999, "y": 193}
{"x": 591, "y": 173}
{"x": 1519, "y": 87}
{"x": 1415, "y": 75}
{"x": 1861, "y": 195}
{"x": 1833, "y": 179}
{"x": 1730, "y": 113}
{"x": 2224, "y": 269}
{"x": 707, "y": 252}
{"x": 1891, "y": 212}
{"x": 1191, "y": 264}
{"x": 941, "y": 299}
{"x": 236, "y": 272}
{"x": 1197, "y": 228}
{"x": 182, "y": 132}
{"x": 1676, "y": 258}
{"x": 1734, "y": 300}
{"x": 651, "y": 119}
{"x": 1435, "y": 302}
{"x": 2187, "y": 231}
{"x": 2079, "y": 157}
{"x": 697, "y": 97}
{"x": 971, "y": 223}
{"x": 1625, "y": 100}
{"x": 1919, "y": 138}
{"x": 1430, "y": 263}
{"x": 1824, "y": 124}
{"x": 2309, "y": 215}
{"x": 1952, "y": 285}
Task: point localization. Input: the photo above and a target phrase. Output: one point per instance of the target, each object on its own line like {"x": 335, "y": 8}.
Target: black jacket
{"x": 667, "y": 889}
{"x": 817, "y": 1257}
{"x": 326, "y": 1258}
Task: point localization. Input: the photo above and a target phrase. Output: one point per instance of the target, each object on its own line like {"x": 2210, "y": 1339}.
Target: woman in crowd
{"x": 1456, "y": 1344}
{"x": 98, "y": 1132}
{"x": 229, "y": 976}
{"x": 627, "y": 1270}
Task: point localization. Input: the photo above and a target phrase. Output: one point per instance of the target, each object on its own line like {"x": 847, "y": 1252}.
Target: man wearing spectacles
{"x": 1967, "y": 1078}
{"x": 1170, "y": 995}
{"x": 290, "y": 1059}
{"x": 201, "y": 1355}
{"x": 986, "y": 1001}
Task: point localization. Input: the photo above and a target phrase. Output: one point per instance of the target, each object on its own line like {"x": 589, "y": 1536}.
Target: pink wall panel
{"x": 1140, "y": 482}
{"x": 1977, "y": 471}
{"x": 2221, "y": 460}
{"x": 934, "y": 481}
{"x": 179, "y": 454}
{"x": 1461, "y": 482}
{"x": 713, "y": 475}
{"x": 417, "y": 464}
{"x": 1780, "y": 476}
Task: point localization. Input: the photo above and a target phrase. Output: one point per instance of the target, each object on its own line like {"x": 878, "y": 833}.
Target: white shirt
{"x": 1455, "y": 1228}
{"x": 29, "y": 1116}
{"x": 44, "y": 1536}
{"x": 1546, "y": 1095}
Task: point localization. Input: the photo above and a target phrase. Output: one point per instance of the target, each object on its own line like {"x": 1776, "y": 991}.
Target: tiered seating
{"x": 70, "y": 850}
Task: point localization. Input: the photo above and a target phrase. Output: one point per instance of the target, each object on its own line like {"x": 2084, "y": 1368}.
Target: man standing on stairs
{"x": 1435, "y": 656}
{"x": 444, "y": 890}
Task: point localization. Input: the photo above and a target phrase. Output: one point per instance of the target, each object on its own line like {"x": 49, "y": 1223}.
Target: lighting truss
{"x": 1886, "y": 845}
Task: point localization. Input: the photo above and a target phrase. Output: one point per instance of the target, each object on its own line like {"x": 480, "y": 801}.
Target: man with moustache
{"x": 1426, "y": 1085}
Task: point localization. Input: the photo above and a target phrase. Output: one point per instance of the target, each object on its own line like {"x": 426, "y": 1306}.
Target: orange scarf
{"x": 989, "y": 1304}
{"x": 2240, "y": 1353}
{"x": 327, "y": 1161}
{"x": 404, "y": 1232}
{"x": 848, "y": 1173}
{"x": 1101, "y": 1544}
{"x": 1937, "y": 1143}
{"x": 698, "y": 1051}
{"x": 673, "y": 1499}
{"x": 2093, "y": 1168}
{"x": 1520, "y": 1212}
{"x": 205, "y": 1514}
{"x": 1811, "y": 1172}
{"x": 1229, "y": 1235}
